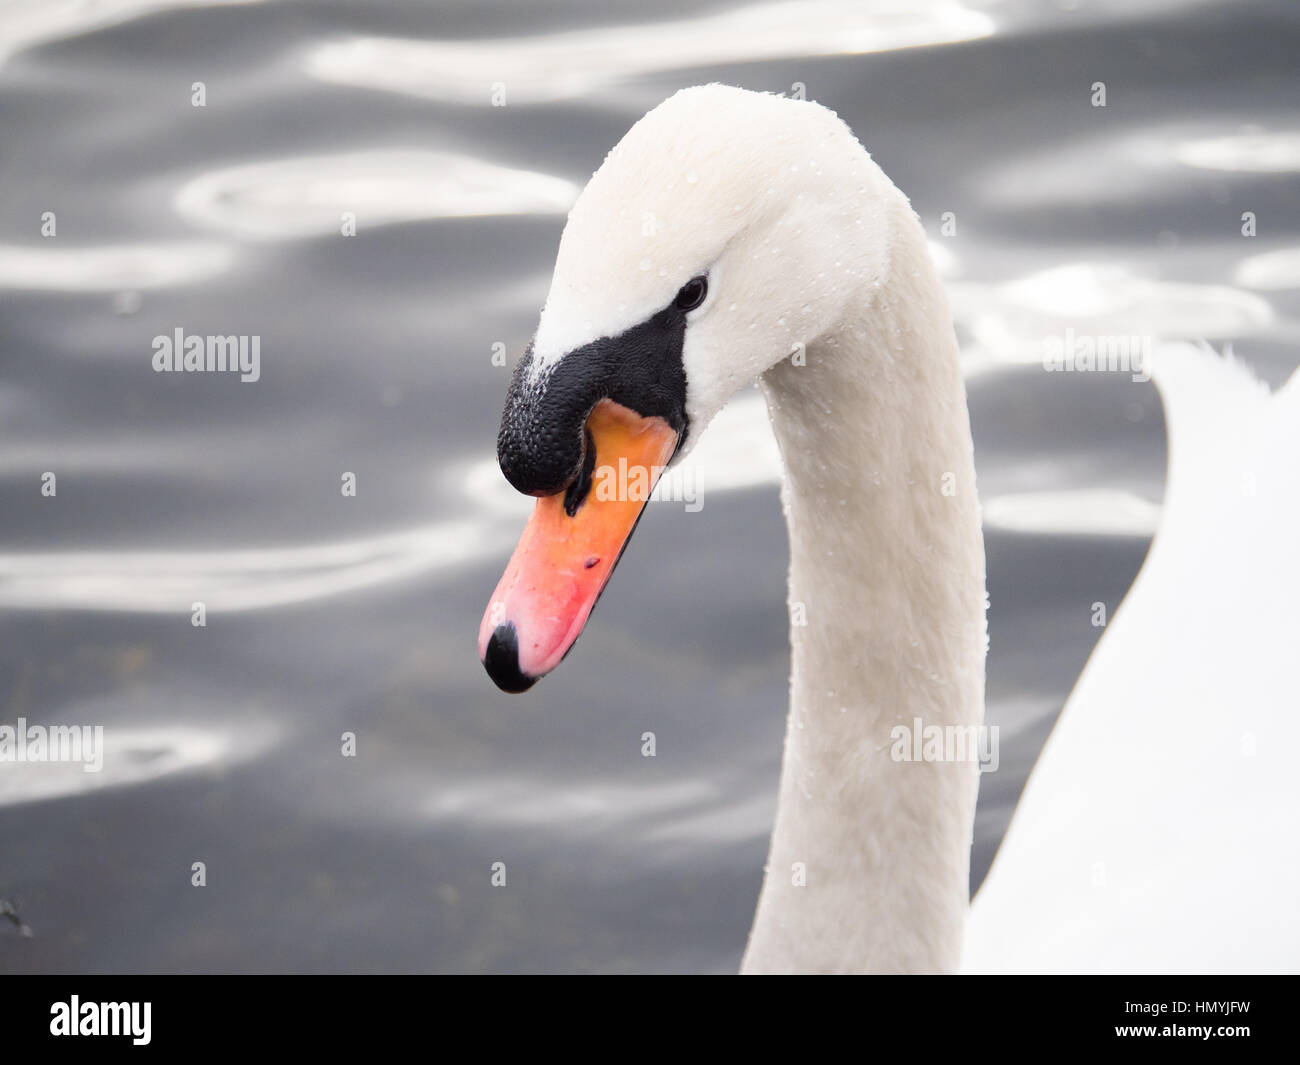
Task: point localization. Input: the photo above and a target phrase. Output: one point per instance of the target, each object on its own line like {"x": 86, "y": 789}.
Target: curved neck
{"x": 869, "y": 862}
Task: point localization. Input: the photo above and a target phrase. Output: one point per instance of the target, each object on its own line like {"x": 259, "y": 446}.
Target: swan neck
{"x": 869, "y": 861}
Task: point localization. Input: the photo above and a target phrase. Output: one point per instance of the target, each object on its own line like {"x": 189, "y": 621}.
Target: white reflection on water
{"x": 307, "y": 196}
{"x": 519, "y": 802}
{"x": 249, "y": 579}
{"x": 1250, "y": 151}
{"x": 26, "y": 23}
{"x": 688, "y": 810}
{"x": 112, "y": 267}
{"x": 1011, "y": 320}
{"x": 573, "y": 63}
{"x": 133, "y": 755}
{"x": 1086, "y": 512}
{"x": 1270, "y": 270}
{"x": 1146, "y": 162}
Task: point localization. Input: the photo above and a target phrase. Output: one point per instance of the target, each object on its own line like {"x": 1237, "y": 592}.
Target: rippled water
{"x": 328, "y": 614}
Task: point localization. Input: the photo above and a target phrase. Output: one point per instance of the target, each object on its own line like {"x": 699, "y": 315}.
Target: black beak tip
{"x": 502, "y": 660}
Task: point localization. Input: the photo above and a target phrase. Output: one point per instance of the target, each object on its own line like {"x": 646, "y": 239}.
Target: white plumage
{"x": 1160, "y": 829}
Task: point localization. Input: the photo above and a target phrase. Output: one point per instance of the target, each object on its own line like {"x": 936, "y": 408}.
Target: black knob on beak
{"x": 502, "y": 660}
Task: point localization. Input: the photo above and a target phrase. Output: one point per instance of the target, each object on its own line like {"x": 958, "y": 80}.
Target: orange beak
{"x": 563, "y": 560}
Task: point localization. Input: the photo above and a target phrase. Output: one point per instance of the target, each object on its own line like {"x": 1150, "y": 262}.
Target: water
{"x": 329, "y": 615}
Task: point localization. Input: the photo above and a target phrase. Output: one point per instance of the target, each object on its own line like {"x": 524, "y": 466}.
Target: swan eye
{"x": 692, "y": 294}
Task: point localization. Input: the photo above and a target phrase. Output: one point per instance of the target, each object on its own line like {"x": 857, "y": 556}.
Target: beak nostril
{"x": 577, "y": 491}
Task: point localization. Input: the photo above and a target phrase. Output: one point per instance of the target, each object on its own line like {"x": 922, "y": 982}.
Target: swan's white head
{"x": 767, "y": 197}
{"x": 726, "y": 229}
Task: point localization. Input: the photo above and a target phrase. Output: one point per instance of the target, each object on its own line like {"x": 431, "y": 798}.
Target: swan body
{"x": 1160, "y": 829}
{"x": 819, "y": 285}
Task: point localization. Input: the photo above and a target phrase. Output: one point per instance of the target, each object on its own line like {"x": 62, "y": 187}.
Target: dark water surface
{"x": 328, "y": 614}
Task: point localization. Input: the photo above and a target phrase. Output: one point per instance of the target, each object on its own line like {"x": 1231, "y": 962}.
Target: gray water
{"x": 329, "y": 614}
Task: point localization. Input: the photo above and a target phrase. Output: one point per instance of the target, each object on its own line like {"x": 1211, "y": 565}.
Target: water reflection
{"x": 27, "y": 23}
{"x": 168, "y": 582}
{"x": 310, "y": 196}
{"x": 1271, "y": 270}
{"x": 1253, "y": 151}
{"x": 1010, "y": 321}
{"x": 1084, "y": 512}
{"x": 1115, "y": 167}
{"x": 134, "y": 755}
{"x": 67, "y": 267}
{"x": 575, "y": 63}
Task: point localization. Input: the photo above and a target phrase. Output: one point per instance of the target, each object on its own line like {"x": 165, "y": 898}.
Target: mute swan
{"x": 733, "y": 236}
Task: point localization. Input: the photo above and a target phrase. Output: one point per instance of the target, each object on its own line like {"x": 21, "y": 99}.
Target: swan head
{"x": 725, "y": 230}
